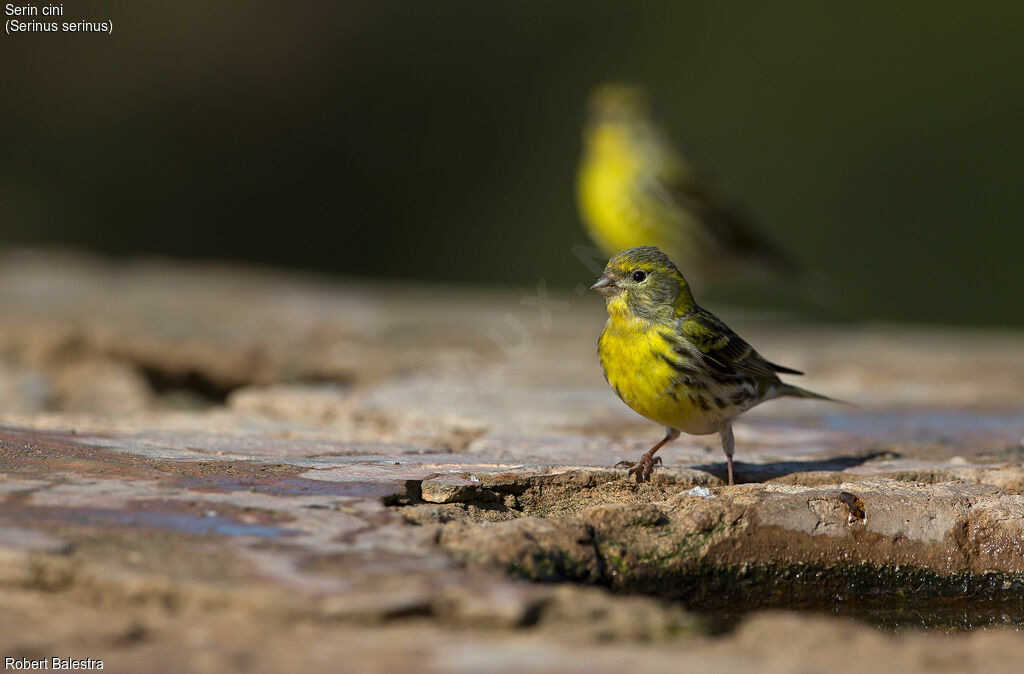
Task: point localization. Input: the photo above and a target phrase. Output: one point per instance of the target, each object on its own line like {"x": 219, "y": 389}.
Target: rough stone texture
{"x": 213, "y": 469}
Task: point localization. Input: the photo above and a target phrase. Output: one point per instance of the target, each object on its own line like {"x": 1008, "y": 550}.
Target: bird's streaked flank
{"x": 674, "y": 362}
{"x": 634, "y": 188}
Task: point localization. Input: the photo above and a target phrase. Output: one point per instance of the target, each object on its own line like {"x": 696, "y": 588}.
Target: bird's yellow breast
{"x": 631, "y": 351}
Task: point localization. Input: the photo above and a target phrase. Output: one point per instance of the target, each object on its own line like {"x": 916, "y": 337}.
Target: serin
{"x": 674, "y": 362}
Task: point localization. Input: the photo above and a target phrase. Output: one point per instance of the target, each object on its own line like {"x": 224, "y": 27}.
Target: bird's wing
{"x": 726, "y": 353}
{"x": 675, "y": 186}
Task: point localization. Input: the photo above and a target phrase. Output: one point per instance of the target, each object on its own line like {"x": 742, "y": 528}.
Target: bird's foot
{"x": 641, "y": 470}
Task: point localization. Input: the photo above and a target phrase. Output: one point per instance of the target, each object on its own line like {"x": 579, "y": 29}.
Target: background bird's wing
{"x": 725, "y": 352}
{"x": 675, "y": 186}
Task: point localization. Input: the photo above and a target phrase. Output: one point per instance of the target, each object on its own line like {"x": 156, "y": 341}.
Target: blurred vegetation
{"x": 881, "y": 141}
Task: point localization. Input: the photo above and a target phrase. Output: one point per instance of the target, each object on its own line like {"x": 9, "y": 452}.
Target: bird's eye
{"x": 639, "y": 276}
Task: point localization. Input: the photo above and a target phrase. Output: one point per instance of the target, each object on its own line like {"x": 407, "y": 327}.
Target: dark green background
{"x": 882, "y": 142}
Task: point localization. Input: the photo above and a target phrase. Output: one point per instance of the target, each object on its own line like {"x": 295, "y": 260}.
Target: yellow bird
{"x": 674, "y": 362}
{"x": 634, "y": 188}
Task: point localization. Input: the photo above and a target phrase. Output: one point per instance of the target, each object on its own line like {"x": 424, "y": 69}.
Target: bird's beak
{"x": 606, "y": 286}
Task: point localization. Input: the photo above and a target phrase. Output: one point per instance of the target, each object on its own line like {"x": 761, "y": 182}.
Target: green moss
{"x": 553, "y": 566}
{"x": 766, "y": 585}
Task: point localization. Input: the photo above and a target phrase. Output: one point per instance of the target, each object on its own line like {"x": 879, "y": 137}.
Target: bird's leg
{"x": 728, "y": 444}
{"x": 643, "y": 468}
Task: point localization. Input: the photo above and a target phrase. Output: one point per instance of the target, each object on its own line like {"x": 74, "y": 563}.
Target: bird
{"x": 634, "y": 188}
{"x": 674, "y": 362}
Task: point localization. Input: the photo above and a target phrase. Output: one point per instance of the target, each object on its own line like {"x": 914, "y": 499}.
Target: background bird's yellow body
{"x": 603, "y": 192}
{"x": 618, "y": 197}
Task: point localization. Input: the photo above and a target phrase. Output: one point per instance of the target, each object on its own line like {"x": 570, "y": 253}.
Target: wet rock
{"x": 101, "y": 387}
{"x": 24, "y": 390}
{"x": 536, "y": 549}
{"x": 454, "y": 489}
{"x": 589, "y": 615}
{"x": 212, "y": 469}
{"x": 296, "y": 403}
{"x": 749, "y": 541}
{"x": 489, "y": 606}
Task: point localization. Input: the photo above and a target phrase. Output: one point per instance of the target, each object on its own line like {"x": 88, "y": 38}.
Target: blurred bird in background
{"x": 635, "y": 189}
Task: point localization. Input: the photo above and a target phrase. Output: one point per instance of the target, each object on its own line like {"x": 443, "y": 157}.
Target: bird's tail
{"x": 790, "y": 391}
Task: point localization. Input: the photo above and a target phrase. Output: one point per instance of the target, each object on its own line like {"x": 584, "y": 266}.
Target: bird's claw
{"x": 641, "y": 470}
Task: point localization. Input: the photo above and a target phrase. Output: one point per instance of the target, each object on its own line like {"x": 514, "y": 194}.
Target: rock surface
{"x": 212, "y": 469}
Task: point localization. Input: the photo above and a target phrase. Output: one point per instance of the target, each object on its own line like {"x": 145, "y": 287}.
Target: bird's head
{"x": 616, "y": 102}
{"x": 617, "y": 116}
{"x": 643, "y": 282}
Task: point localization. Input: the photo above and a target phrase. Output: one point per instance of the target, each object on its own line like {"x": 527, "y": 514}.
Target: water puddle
{"x": 927, "y": 424}
{"x": 890, "y": 598}
{"x": 948, "y": 615}
{"x": 209, "y": 523}
{"x": 296, "y": 486}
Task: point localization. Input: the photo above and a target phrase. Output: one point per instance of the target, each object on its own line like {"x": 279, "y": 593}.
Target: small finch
{"x": 674, "y": 362}
{"x": 634, "y": 188}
